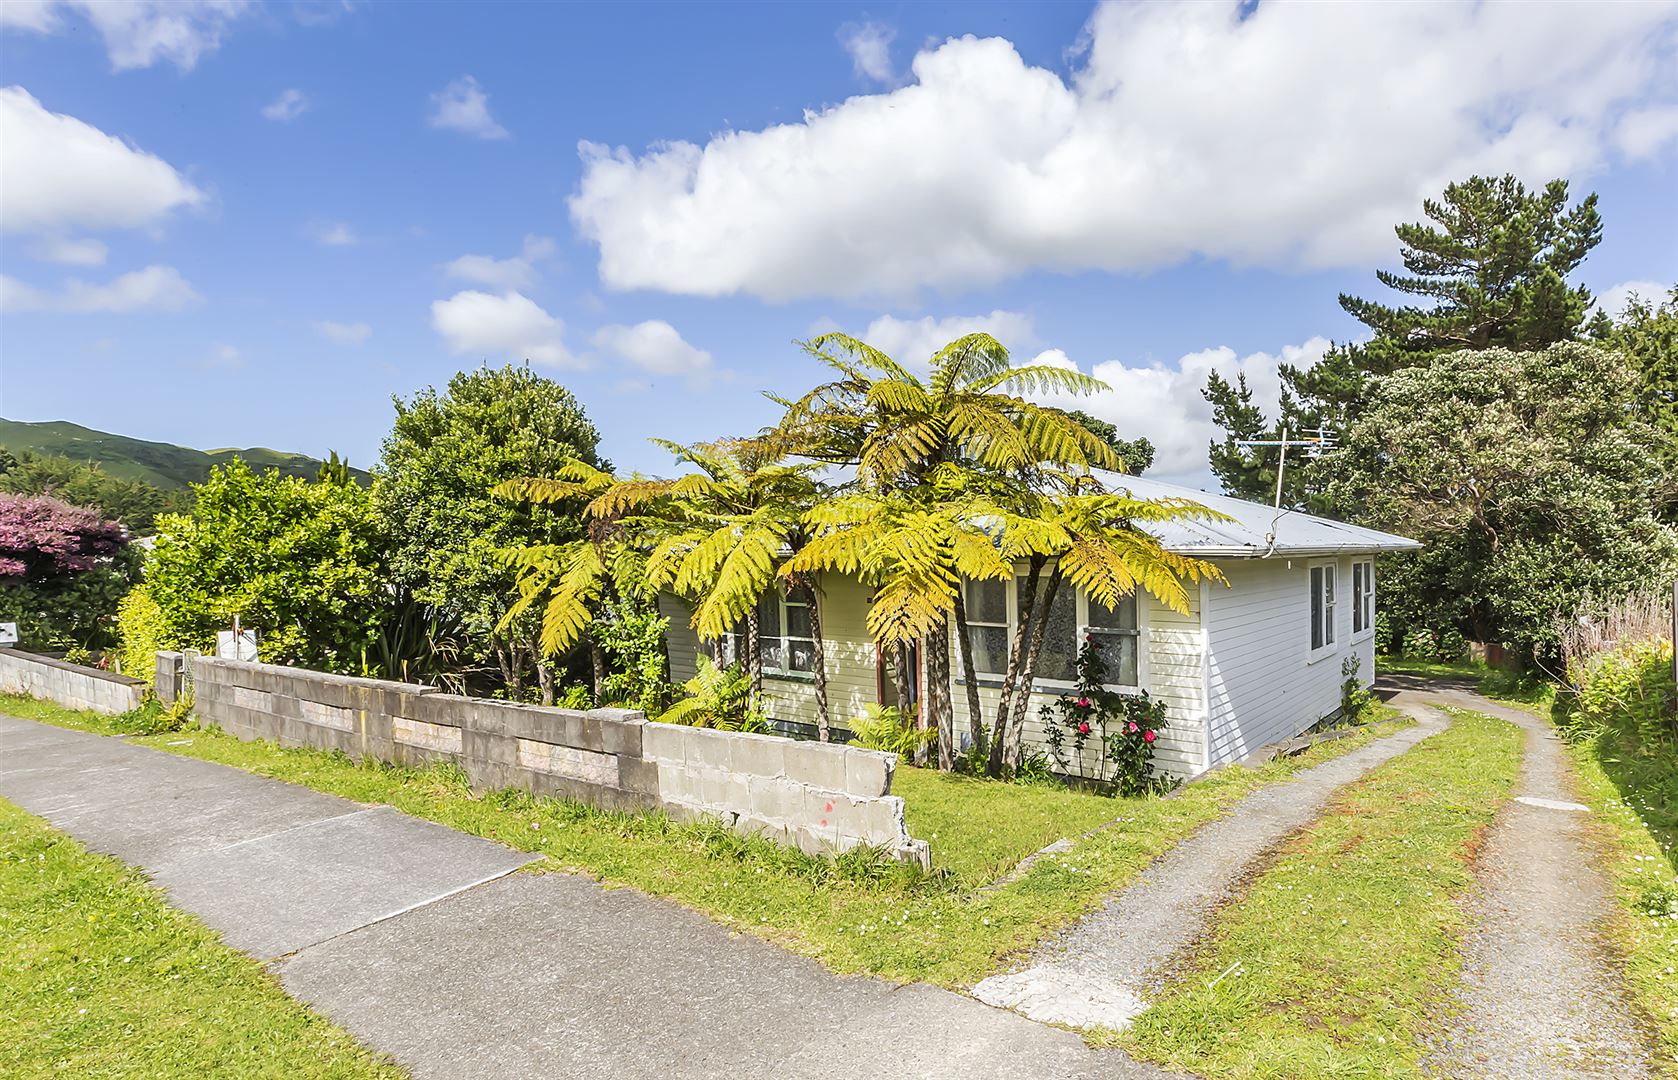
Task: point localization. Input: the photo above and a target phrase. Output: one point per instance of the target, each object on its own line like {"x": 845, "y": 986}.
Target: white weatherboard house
{"x": 1252, "y": 663}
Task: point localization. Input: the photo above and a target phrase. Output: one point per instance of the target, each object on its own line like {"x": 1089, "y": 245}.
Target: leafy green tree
{"x": 1529, "y": 477}
{"x": 1135, "y": 455}
{"x": 444, "y": 454}
{"x": 1487, "y": 268}
{"x": 300, "y": 563}
{"x": 1647, "y": 332}
{"x": 135, "y": 503}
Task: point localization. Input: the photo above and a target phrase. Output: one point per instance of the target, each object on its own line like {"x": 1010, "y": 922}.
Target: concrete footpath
{"x": 427, "y": 944}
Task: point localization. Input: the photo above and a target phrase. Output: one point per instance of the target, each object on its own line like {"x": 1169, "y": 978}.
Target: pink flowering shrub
{"x": 62, "y": 570}
{"x": 41, "y": 537}
{"x": 1120, "y": 729}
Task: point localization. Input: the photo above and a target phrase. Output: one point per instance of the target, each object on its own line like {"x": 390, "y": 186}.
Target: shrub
{"x": 1629, "y": 688}
{"x": 140, "y": 635}
{"x": 62, "y": 570}
{"x": 717, "y": 698}
{"x": 883, "y": 727}
{"x": 1452, "y": 645}
{"x": 1355, "y": 698}
{"x": 1383, "y": 633}
{"x": 1420, "y": 643}
{"x": 633, "y": 640}
{"x": 153, "y": 717}
{"x": 1123, "y": 727}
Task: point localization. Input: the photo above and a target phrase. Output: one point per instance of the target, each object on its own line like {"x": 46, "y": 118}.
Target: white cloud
{"x": 1281, "y": 134}
{"x": 156, "y": 288}
{"x": 869, "y": 46}
{"x": 223, "y": 357}
{"x": 508, "y": 326}
{"x": 1645, "y": 132}
{"x": 464, "y": 107}
{"x": 1614, "y": 299}
{"x": 655, "y": 347}
{"x": 287, "y": 107}
{"x": 1164, "y": 401}
{"x": 333, "y": 234}
{"x": 518, "y": 272}
{"x": 59, "y": 174}
{"x": 136, "y": 33}
{"x": 59, "y": 249}
{"x": 344, "y": 333}
{"x": 911, "y": 342}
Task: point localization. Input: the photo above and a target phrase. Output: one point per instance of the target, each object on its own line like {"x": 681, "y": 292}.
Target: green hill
{"x": 164, "y": 464}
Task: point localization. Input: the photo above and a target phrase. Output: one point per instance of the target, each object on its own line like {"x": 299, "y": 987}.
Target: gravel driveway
{"x": 1541, "y": 997}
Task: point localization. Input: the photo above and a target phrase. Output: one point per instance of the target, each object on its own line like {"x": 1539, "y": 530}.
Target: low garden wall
{"x": 820, "y": 797}
{"x": 70, "y": 685}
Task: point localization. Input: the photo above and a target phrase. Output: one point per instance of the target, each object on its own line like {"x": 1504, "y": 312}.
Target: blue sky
{"x": 238, "y": 224}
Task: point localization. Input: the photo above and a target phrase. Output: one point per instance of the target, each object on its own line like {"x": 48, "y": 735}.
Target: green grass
{"x": 1633, "y": 789}
{"x": 1509, "y": 687}
{"x": 856, "y": 915}
{"x": 99, "y": 977}
{"x": 1348, "y": 942}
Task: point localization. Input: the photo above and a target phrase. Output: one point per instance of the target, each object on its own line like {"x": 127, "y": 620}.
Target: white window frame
{"x": 1007, "y": 624}
{"x": 1039, "y": 684}
{"x": 1363, "y": 598}
{"x": 729, "y": 648}
{"x": 1323, "y": 618}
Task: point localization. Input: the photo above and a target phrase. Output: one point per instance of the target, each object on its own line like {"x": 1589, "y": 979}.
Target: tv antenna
{"x": 1313, "y": 445}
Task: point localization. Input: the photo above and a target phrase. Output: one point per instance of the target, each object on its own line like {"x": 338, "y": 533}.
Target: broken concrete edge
{"x": 822, "y": 798}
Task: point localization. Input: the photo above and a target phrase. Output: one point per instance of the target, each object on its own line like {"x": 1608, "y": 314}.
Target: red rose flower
{"x": 1083, "y": 727}
{"x": 1132, "y": 727}
{"x": 1083, "y": 703}
{"x": 1148, "y": 736}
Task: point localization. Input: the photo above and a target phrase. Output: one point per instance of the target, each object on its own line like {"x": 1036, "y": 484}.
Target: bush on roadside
{"x": 140, "y": 634}
{"x": 153, "y": 717}
{"x": 1628, "y": 689}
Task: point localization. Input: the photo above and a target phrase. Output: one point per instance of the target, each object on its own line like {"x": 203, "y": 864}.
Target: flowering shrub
{"x": 1123, "y": 729}
{"x": 62, "y": 570}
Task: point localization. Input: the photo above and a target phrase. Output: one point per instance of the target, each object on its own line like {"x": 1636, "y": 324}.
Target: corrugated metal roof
{"x": 1246, "y": 536}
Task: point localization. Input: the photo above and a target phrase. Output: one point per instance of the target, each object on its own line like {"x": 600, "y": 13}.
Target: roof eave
{"x": 1253, "y": 551}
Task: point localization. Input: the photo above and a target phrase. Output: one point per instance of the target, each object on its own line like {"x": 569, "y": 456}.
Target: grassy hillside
{"x": 164, "y": 464}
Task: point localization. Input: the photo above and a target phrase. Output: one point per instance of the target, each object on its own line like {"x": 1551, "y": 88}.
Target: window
{"x": 1363, "y": 596}
{"x": 1322, "y": 606}
{"x": 993, "y": 612}
{"x": 1117, "y": 637}
{"x": 783, "y": 629}
{"x": 987, "y": 624}
{"x": 1058, "y": 660}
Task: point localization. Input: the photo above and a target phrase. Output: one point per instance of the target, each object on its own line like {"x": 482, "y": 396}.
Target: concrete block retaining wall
{"x": 822, "y": 798}
{"x": 68, "y": 684}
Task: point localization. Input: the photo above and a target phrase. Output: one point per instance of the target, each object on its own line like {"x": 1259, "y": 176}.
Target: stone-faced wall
{"x": 68, "y": 684}
{"x": 818, "y": 797}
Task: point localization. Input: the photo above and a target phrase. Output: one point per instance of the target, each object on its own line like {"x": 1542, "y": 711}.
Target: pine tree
{"x": 1487, "y": 268}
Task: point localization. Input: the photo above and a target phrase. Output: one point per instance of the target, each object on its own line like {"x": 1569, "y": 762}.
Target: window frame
{"x": 1363, "y": 598}
{"x": 1081, "y": 626}
{"x": 732, "y": 644}
{"x": 1326, "y": 616}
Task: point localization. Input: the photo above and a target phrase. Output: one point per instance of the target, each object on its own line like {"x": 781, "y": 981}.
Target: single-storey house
{"x": 1253, "y": 662}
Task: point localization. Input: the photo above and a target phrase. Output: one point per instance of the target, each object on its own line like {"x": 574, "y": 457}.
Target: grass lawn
{"x": 1633, "y": 789}
{"x": 100, "y": 978}
{"x": 1348, "y": 942}
{"x": 1505, "y": 686}
{"x": 855, "y": 915}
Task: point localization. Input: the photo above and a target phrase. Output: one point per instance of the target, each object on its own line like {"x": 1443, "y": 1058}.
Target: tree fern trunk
{"x": 1022, "y": 693}
{"x": 1016, "y": 660}
{"x": 936, "y": 693}
{"x": 964, "y": 643}
{"x": 754, "y": 660}
{"x": 818, "y": 660}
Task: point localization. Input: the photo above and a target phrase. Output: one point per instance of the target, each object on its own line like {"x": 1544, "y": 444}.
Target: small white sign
{"x": 236, "y": 647}
{"x": 8, "y": 634}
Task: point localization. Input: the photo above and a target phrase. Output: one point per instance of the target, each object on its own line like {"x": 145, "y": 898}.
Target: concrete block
{"x": 868, "y": 772}
{"x": 664, "y": 742}
{"x": 440, "y": 738}
{"x": 817, "y": 764}
{"x": 777, "y": 800}
{"x": 812, "y": 841}
{"x": 759, "y": 755}
{"x": 621, "y": 734}
{"x": 710, "y": 748}
{"x": 568, "y": 761}
{"x": 752, "y": 825}
{"x": 724, "y": 790}
{"x": 639, "y": 776}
